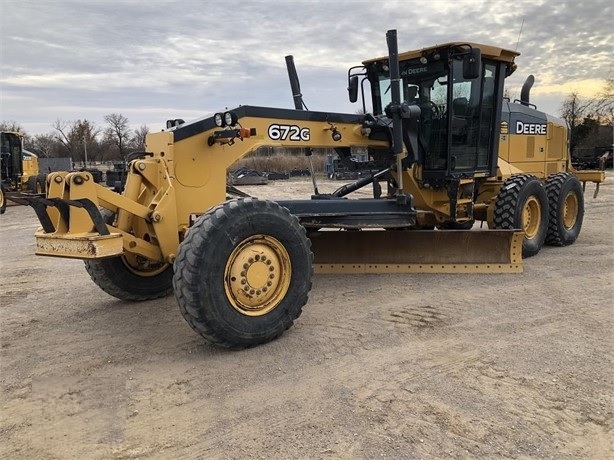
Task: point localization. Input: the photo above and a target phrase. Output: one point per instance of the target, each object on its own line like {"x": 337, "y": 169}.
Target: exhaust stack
{"x": 526, "y": 89}
{"x": 294, "y": 84}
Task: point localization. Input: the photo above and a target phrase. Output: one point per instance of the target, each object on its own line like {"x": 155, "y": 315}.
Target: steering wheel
{"x": 433, "y": 108}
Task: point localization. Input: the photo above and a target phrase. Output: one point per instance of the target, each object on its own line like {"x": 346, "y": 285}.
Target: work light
{"x": 230, "y": 119}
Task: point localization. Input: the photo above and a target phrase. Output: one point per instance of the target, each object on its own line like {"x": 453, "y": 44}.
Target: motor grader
{"x": 19, "y": 171}
{"x": 447, "y": 150}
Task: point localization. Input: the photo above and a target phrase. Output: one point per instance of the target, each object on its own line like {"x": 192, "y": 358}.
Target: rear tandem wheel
{"x": 566, "y": 201}
{"x": 243, "y": 273}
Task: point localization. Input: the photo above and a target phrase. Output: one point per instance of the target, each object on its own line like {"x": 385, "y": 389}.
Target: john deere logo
{"x": 530, "y": 128}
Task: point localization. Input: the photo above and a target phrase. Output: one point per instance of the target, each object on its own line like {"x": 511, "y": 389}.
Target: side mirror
{"x": 472, "y": 64}
{"x": 353, "y": 88}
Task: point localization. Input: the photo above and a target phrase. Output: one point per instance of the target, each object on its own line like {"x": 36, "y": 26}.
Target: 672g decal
{"x": 288, "y": 132}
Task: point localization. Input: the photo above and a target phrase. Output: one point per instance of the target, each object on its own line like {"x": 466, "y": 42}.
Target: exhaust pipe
{"x": 526, "y": 89}
{"x": 294, "y": 84}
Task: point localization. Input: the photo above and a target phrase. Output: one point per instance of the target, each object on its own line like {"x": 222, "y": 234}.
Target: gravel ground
{"x": 378, "y": 366}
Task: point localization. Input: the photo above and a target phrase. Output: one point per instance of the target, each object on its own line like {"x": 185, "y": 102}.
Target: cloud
{"x": 157, "y": 60}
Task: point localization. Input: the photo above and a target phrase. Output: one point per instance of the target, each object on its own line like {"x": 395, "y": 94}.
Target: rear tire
{"x": 243, "y": 273}
{"x": 566, "y": 201}
{"x": 130, "y": 277}
{"x": 522, "y": 203}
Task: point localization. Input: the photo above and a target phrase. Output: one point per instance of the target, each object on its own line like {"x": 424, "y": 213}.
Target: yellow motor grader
{"x": 19, "y": 171}
{"x": 447, "y": 150}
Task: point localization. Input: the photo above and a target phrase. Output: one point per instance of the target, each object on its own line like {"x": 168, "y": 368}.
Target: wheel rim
{"x": 1, "y": 197}
{"x": 531, "y": 217}
{"x": 570, "y": 211}
{"x": 257, "y": 275}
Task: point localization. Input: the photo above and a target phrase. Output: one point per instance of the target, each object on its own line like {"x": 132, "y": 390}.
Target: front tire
{"x": 118, "y": 278}
{"x": 243, "y": 273}
{"x": 522, "y": 203}
{"x": 130, "y": 277}
{"x": 566, "y": 201}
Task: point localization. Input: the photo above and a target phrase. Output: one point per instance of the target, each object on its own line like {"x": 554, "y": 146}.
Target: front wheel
{"x": 566, "y": 202}
{"x": 522, "y": 203}
{"x": 243, "y": 273}
{"x": 130, "y": 277}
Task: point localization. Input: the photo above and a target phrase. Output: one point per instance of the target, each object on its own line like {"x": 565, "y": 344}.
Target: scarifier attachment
{"x": 417, "y": 251}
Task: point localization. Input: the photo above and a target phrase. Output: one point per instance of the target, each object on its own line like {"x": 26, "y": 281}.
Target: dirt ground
{"x": 378, "y": 366}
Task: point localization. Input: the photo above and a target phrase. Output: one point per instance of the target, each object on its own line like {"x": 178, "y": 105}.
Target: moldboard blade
{"x": 417, "y": 251}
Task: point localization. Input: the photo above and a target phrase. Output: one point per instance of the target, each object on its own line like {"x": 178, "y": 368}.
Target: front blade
{"x": 417, "y": 251}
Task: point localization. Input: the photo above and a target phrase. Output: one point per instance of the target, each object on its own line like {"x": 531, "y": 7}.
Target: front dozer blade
{"x": 417, "y": 251}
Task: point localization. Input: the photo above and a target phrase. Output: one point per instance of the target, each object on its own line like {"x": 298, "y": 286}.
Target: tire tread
{"x": 186, "y": 280}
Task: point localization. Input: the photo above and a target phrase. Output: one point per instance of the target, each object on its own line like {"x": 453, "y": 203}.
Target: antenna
{"x": 519, "y": 34}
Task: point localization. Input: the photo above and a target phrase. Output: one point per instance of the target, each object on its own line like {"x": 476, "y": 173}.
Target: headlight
{"x": 230, "y": 119}
{"x": 218, "y": 119}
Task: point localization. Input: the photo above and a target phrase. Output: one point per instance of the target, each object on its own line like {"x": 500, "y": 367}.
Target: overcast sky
{"x": 154, "y": 60}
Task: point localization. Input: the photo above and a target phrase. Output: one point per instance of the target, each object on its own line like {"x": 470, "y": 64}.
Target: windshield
{"x": 455, "y": 117}
{"x": 420, "y": 83}
{"x": 424, "y": 85}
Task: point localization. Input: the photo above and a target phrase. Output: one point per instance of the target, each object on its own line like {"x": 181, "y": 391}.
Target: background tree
{"x": 138, "y": 138}
{"x": 117, "y": 133}
{"x": 603, "y": 105}
{"x": 11, "y": 126}
{"x": 590, "y": 120}
{"x": 573, "y": 112}
{"x": 79, "y": 138}
{"x": 43, "y": 145}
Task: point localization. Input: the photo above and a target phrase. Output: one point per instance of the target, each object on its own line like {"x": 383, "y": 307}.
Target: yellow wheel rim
{"x": 257, "y": 275}
{"x": 531, "y": 217}
{"x": 570, "y": 211}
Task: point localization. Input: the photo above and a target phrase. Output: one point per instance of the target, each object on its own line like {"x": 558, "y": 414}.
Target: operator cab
{"x": 10, "y": 156}
{"x": 458, "y": 88}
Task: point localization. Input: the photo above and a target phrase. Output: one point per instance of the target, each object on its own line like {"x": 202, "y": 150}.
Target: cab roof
{"x": 488, "y": 51}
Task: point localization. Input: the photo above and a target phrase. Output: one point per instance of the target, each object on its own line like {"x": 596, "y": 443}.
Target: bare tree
{"x": 603, "y": 105}
{"x": 118, "y": 133}
{"x": 573, "y": 111}
{"x": 78, "y": 139}
{"x": 591, "y": 121}
{"x": 11, "y": 126}
{"x": 138, "y": 138}
{"x": 44, "y": 145}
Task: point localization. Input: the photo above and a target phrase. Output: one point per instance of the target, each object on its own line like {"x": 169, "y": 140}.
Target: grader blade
{"x": 417, "y": 251}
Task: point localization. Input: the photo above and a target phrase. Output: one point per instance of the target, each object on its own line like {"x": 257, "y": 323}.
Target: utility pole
{"x": 85, "y": 150}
